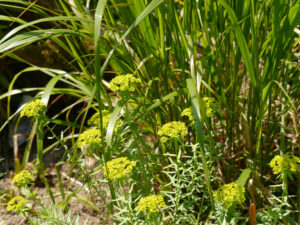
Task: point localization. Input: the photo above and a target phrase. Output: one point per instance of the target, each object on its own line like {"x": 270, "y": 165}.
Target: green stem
{"x": 284, "y": 199}
{"x": 298, "y": 196}
{"x": 111, "y": 188}
{"x": 40, "y": 137}
{"x": 41, "y": 168}
{"x": 177, "y": 176}
{"x": 284, "y": 187}
{"x": 127, "y": 203}
{"x": 28, "y": 219}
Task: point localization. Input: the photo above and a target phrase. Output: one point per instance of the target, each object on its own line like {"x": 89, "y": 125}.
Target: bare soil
{"x": 76, "y": 206}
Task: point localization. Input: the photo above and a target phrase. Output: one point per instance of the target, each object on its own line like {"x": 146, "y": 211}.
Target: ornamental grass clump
{"x": 124, "y": 83}
{"x": 151, "y": 203}
{"x": 16, "y": 204}
{"x": 285, "y": 163}
{"x": 22, "y": 179}
{"x": 34, "y": 108}
{"x": 230, "y": 194}
{"x": 234, "y": 62}
{"x": 118, "y": 168}
{"x": 88, "y": 137}
{"x": 172, "y": 130}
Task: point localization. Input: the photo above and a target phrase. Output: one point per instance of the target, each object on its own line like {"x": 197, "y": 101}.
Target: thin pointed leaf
{"x": 244, "y": 177}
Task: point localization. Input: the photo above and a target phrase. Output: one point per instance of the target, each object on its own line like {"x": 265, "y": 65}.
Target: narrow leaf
{"x": 244, "y": 177}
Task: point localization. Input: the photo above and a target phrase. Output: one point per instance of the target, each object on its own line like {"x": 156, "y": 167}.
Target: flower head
{"x": 90, "y": 136}
{"x": 124, "y": 82}
{"x": 171, "y": 130}
{"x": 16, "y": 204}
{"x": 151, "y": 203}
{"x": 285, "y": 163}
{"x": 294, "y": 164}
{"x": 23, "y": 178}
{"x": 95, "y": 119}
{"x": 229, "y": 194}
{"x": 211, "y": 105}
{"x": 188, "y": 112}
{"x": 33, "y": 108}
{"x": 118, "y": 168}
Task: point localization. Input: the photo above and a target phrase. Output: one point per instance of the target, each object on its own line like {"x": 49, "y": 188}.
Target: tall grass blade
{"x": 195, "y": 101}
{"x": 241, "y": 42}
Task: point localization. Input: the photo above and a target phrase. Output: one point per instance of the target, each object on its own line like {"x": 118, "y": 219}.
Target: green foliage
{"x": 229, "y": 66}
{"x": 53, "y": 216}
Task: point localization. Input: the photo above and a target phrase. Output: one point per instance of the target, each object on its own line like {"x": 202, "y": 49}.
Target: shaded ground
{"x": 76, "y": 205}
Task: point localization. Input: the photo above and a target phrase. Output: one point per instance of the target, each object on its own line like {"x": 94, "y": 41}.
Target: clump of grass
{"x": 184, "y": 89}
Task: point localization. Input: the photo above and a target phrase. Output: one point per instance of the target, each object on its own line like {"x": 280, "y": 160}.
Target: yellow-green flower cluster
{"x": 118, "y": 168}
{"x": 33, "y": 108}
{"x": 285, "y": 163}
{"x": 23, "y": 178}
{"x": 229, "y": 194}
{"x": 211, "y": 105}
{"x": 90, "y": 136}
{"x": 171, "y": 130}
{"x": 124, "y": 82}
{"x": 151, "y": 203}
{"x": 95, "y": 119}
{"x": 16, "y": 204}
{"x": 188, "y": 113}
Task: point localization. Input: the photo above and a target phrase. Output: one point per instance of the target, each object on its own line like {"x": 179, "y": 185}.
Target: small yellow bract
{"x": 23, "y": 178}
{"x": 188, "y": 113}
{"x": 229, "y": 194}
{"x": 118, "y": 168}
{"x": 16, "y": 204}
{"x": 124, "y": 82}
{"x": 283, "y": 163}
{"x": 89, "y": 136}
{"x": 33, "y": 108}
{"x": 211, "y": 105}
{"x": 151, "y": 203}
{"x": 95, "y": 120}
{"x": 171, "y": 130}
